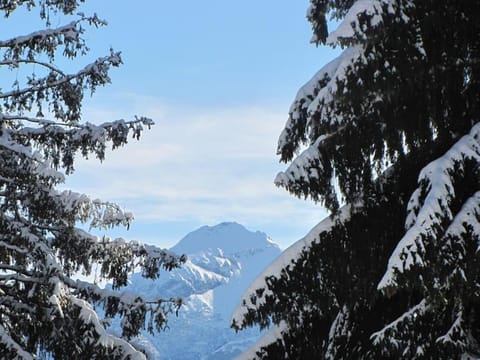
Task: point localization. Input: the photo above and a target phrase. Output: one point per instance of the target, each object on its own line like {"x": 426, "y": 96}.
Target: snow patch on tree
{"x": 273, "y": 335}
{"x": 429, "y": 206}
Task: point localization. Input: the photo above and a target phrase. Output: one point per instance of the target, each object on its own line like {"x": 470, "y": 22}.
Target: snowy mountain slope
{"x": 223, "y": 261}
{"x": 228, "y": 236}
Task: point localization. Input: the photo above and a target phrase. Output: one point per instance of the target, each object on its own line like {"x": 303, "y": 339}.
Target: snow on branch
{"x": 456, "y": 334}
{"x": 276, "y": 333}
{"x": 117, "y": 257}
{"x": 430, "y": 205}
{"x": 350, "y": 24}
{"x": 65, "y": 6}
{"x": 69, "y": 31}
{"x": 316, "y": 96}
{"x": 20, "y": 229}
{"x": 318, "y": 108}
{"x": 307, "y": 171}
{"x": 132, "y": 307}
{"x": 252, "y": 299}
{"x": 95, "y": 73}
{"x": 89, "y": 316}
{"x": 102, "y": 214}
{"x": 313, "y": 120}
{"x": 17, "y": 62}
{"x": 351, "y": 27}
{"x": 468, "y": 218}
{"x": 294, "y": 131}
{"x": 13, "y": 346}
{"x": 126, "y": 297}
{"x": 8, "y": 143}
{"x": 59, "y": 142}
{"x": 338, "y": 329}
{"x": 47, "y": 40}
{"x": 398, "y": 324}
{"x": 319, "y": 90}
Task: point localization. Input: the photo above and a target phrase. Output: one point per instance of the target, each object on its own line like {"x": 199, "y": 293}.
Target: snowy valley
{"x": 222, "y": 262}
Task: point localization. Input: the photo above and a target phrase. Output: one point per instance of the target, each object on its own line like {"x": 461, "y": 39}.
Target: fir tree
{"x": 44, "y": 311}
{"x": 387, "y": 137}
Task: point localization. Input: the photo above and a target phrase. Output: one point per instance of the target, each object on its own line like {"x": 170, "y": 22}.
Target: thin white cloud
{"x": 203, "y": 165}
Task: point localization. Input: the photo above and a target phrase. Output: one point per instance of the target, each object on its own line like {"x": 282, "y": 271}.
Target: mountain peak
{"x": 223, "y": 260}
{"x": 231, "y": 237}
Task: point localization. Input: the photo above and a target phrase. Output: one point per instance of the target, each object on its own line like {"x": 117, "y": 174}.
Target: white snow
{"x": 455, "y": 331}
{"x": 274, "y": 334}
{"x": 337, "y": 329}
{"x": 327, "y": 94}
{"x": 470, "y": 211}
{"x": 415, "y": 311}
{"x": 89, "y": 316}
{"x": 230, "y": 237}
{"x": 350, "y": 26}
{"x": 424, "y": 215}
{"x": 302, "y": 166}
{"x": 313, "y": 97}
{"x": 9, "y": 343}
{"x": 68, "y": 29}
{"x": 346, "y": 29}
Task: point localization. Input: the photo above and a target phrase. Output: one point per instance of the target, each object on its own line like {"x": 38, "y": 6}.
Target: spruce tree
{"x": 387, "y": 137}
{"x": 44, "y": 311}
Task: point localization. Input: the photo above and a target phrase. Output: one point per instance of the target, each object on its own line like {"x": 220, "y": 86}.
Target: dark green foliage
{"x": 390, "y": 129}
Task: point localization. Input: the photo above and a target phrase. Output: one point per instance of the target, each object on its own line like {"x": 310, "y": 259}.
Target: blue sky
{"x": 218, "y": 78}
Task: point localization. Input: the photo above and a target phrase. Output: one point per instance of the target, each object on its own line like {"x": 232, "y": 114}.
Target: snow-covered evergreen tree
{"x": 44, "y": 311}
{"x": 387, "y": 137}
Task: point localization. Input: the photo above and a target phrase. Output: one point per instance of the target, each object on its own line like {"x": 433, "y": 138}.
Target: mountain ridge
{"x": 225, "y": 236}
{"x": 222, "y": 262}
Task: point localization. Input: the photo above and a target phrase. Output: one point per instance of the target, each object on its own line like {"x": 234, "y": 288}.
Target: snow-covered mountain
{"x": 222, "y": 262}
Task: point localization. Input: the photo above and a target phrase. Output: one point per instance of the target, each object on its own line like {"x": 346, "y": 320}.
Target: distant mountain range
{"x": 222, "y": 262}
